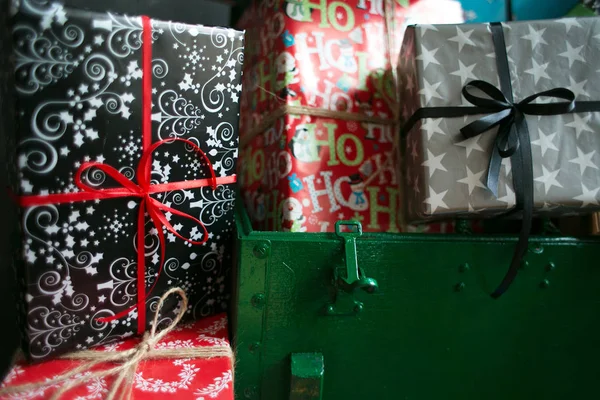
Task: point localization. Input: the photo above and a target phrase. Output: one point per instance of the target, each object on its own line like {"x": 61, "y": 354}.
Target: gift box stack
{"x": 501, "y": 119}
{"x": 319, "y": 108}
{"x": 123, "y": 156}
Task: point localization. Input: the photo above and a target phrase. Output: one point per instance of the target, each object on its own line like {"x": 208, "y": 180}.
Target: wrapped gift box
{"x": 304, "y": 171}
{"x": 93, "y": 92}
{"x": 186, "y": 378}
{"x": 445, "y": 173}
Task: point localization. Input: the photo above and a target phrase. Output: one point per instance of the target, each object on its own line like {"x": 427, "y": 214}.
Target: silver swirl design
{"x": 171, "y": 265}
{"x": 153, "y": 303}
{"x": 178, "y": 197}
{"x": 151, "y": 242}
{"x": 72, "y": 36}
{"x": 189, "y": 148}
{"x": 128, "y": 172}
{"x": 95, "y": 177}
{"x": 39, "y": 60}
{"x": 97, "y": 66}
{"x": 222, "y": 201}
{"x": 160, "y": 68}
{"x": 50, "y": 120}
{"x": 124, "y": 274}
{"x": 178, "y": 115}
{"x": 99, "y": 325}
{"x": 44, "y": 217}
{"x": 40, "y": 156}
{"x": 213, "y": 100}
{"x": 79, "y": 302}
{"x": 125, "y": 36}
{"x": 218, "y": 38}
{"x": 177, "y": 28}
{"x": 49, "y": 329}
{"x": 202, "y": 308}
{"x": 224, "y": 131}
{"x": 113, "y": 103}
{"x": 210, "y": 261}
{"x": 50, "y": 283}
{"x": 83, "y": 259}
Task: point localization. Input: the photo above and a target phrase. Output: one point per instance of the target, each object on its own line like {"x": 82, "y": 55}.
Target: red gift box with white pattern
{"x": 193, "y": 378}
{"x": 303, "y": 172}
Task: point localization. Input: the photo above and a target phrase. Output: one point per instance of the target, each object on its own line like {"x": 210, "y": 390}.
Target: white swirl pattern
{"x": 216, "y": 203}
{"x": 77, "y": 79}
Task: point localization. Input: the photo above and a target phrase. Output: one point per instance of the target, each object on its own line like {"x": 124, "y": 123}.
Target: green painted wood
{"x": 306, "y": 371}
{"x": 431, "y": 330}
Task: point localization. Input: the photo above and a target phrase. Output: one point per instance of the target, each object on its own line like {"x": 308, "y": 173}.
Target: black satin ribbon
{"x": 512, "y": 139}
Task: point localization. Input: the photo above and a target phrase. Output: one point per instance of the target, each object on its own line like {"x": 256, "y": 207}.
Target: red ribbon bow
{"x": 143, "y": 189}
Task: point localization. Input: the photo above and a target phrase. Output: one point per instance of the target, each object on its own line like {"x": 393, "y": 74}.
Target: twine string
{"x": 127, "y": 360}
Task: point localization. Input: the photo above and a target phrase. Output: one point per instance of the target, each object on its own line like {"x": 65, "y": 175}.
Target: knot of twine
{"x": 127, "y": 360}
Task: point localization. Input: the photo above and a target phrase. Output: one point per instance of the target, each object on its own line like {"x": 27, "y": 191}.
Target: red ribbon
{"x": 143, "y": 189}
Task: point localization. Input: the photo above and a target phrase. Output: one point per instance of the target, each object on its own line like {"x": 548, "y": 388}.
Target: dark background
{"x": 205, "y": 12}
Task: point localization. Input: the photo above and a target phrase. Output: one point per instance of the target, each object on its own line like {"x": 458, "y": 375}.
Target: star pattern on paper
{"x": 535, "y": 37}
{"x": 570, "y": 23}
{"x": 511, "y": 62}
{"x": 578, "y": 87}
{"x": 434, "y": 163}
{"x": 471, "y": 144}
{"x": 548, "y": 179}
{"x": 435, "y": 200}
{"x": 545, "y": 142}
{"x": 415, "y": 185}
{"x": 509, "y": 198}
{"x": 588, "y": 197}
{"x": 425, "y": 27}
{"x": 414, "y": 152}
{"x": 573, "y": 54}
{"x": 584, "y": 160}
{"x": 462, "y": 38}
{"x": 464, "y": 72}
{"x": 432, "y": 126}
{"x": 430, "y": 90}
{"x": 473, "y": 180}
{"x": 428, "y": 56}
{"x": 538, "y": 71}
{"x": 580, "y": 124}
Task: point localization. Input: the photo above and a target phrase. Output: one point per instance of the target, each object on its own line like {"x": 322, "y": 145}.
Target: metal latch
{"x": 349, "y": 277}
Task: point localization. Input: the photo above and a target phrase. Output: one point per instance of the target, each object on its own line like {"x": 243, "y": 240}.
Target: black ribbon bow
{"x": 512, "y": 139}
{"x": 510, "y": 118}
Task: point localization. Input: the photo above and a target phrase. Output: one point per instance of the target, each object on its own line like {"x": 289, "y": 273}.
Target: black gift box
{"x": 79, "y": 92}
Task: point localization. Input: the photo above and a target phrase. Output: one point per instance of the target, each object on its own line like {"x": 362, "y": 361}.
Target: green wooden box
{"x": 304, "y": 330}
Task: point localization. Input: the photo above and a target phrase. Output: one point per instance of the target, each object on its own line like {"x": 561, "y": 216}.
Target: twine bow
{"x": 127, "y": 360}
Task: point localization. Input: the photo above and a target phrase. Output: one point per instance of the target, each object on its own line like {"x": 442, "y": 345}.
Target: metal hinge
{"x": 348, "y": 278}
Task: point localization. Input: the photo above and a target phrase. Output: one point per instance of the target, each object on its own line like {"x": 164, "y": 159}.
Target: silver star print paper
{"x": 78, "y": 87}
{"x": 445, "y": 173}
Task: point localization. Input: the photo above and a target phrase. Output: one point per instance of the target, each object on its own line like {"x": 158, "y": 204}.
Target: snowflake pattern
{"x": 79, "y": 87}
{"x": 129, "y": 148}
{"x": 185, "y": 377}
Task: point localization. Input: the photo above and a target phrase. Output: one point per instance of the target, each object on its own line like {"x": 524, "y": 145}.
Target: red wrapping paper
{"x": 198, "y": 379}
{"x": 303, "y": 173}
